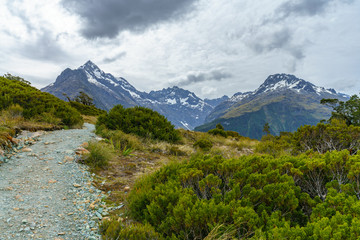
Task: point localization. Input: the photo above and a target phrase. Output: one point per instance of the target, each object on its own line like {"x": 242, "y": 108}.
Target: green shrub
{"x": 262, "y": 197}
{"x": 217, "y": 131}
{"x": 100, "y": 155}
{"x": 203, "y": 144}
{"x": 141, "y": 121}
{"x": 232, "y": 134}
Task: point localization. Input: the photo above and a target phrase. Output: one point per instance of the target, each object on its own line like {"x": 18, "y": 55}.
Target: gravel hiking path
{"x": 45, "y": 194}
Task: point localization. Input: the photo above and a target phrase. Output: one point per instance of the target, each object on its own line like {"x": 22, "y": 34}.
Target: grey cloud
{"x": 214, "y": 75}
{"x": 15, "y": 11}
{"x": 272, "y": 40}
{"x": 306, "y": 7}
{"x": 268, "y": 41}
{"x": 114, "y": 58}
{"x": 44, "y": 47}
{"x": 268, "y": 36}
{"x": 107, "y": 18}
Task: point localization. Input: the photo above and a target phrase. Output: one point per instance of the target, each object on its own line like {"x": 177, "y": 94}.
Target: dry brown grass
{"x": 90, "y": 119}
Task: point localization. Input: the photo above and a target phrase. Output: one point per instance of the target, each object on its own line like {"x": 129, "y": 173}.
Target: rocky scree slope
{"x": 45, "y": 194}
{"x": 183, "y": 108}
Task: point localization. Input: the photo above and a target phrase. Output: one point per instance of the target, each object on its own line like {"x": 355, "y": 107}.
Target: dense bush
{"x": 219, "y": 130}
{"x": 36, "y": 104}
{"x": 306, "y": 197}
{"x": 141, "y": 121}
{"x": 328, "y": 137}
{"x": 323, "y": 137}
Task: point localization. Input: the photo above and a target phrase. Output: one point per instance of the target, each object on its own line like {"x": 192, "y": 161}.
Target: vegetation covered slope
{"x": 36, "y": 104}
{"x": 284, "y": 113}
{"x": 301, "y": 185}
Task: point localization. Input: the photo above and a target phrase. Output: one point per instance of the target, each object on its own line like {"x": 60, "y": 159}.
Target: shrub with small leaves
{"x": 203, "y": 144}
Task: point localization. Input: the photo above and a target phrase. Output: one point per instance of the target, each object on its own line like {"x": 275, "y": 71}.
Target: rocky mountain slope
{"x": 284, "y": 101}
{"x": 183, "y": 108}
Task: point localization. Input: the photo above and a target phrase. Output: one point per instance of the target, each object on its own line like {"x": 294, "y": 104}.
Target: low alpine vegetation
{"x": 36, "y": 105}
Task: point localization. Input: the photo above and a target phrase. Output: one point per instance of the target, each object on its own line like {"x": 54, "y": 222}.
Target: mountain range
{"x": 182, "y": 107}
{"x": 283, "y": 100}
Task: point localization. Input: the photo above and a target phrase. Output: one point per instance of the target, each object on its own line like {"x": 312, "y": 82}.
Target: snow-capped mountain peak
{"x": 288, "y": 81}
{"x": 182, "y": 107}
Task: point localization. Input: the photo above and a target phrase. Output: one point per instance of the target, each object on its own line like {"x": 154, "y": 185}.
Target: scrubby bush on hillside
{"x": 89, "y": 110}
{"x": 219, "y": 130}
{"x": 328, "y": 137}
{"x": 35, "y": 103}
{"x": 323, "y": 137}
{"x": 203, "y": 144}
{"x": 306, "y": 197}
{"x": 141, "y": 121}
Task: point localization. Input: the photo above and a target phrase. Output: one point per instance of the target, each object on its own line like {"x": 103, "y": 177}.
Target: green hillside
{"x": 284, "y": 113}
{"x": 36, "y": 105}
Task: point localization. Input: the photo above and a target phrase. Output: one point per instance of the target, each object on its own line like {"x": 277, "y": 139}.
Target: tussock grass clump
{"x": 113, "y": 229}
{"x": 120, "y": 140}
{"x": 100, "y": 155}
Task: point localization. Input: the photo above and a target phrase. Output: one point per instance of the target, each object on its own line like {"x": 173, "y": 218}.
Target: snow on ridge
{"x": 240, "y": 97}
{"x": 186, "y": 125}
{"x": 92, "y": 80}
{"x": 171, "y": 101}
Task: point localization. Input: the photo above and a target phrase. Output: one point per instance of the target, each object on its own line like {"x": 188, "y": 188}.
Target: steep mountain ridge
{"x": 182, "y": 107}
{"x": 283, "y": 100}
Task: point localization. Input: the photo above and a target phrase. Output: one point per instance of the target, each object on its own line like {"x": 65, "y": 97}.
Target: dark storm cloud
{"x": 107, "y": 18}
{"x": 216, "y": 75}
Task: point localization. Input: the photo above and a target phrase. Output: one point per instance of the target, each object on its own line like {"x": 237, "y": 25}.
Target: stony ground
{"x": 45, "y": 194}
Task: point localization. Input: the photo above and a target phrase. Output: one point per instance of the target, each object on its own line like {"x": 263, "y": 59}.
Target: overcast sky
{"x": 210, "y": 47}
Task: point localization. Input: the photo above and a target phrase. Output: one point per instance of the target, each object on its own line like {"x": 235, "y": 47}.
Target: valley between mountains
{"x": 45, "y": 194}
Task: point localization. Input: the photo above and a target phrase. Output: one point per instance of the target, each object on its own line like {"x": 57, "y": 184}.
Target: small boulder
{"x": 26, "y": 149}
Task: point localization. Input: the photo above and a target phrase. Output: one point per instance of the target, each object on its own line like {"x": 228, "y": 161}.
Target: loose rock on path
{"x": 45, "y": 194}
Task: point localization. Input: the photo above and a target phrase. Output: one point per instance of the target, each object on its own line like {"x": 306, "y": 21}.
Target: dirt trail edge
{"x": 45, "y": 194}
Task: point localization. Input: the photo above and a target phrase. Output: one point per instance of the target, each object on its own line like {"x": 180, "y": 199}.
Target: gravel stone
{"x": 37, "y": 194}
